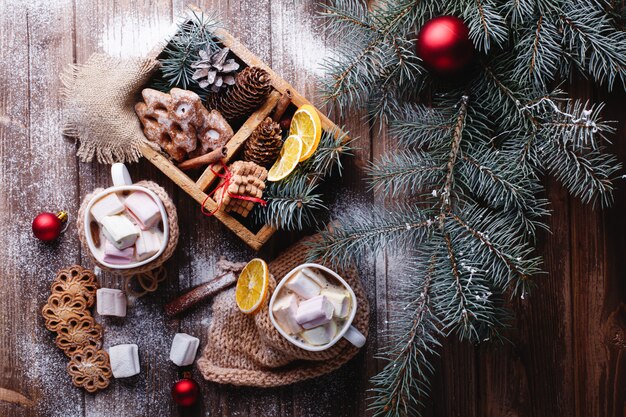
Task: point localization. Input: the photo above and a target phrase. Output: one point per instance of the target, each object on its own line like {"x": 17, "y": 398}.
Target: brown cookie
{"x": 90, "y": 369}
{"x": 61, "y": 307}
{"x": 77, "y": 280}
{"x": 79, "y": 333}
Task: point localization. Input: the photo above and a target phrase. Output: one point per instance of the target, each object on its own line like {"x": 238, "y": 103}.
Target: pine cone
{"x": 214, "y": 70}
{"x": 252, "y": 86}
{"x": 264, "y": 144}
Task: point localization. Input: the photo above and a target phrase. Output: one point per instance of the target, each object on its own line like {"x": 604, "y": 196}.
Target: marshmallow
{"x": 120, "y": 231}
{"x": 184, "y": 348}
{"x": 303, "y": 286}
{"x": 339, "y": 299}
{"x": 320, "y": 335}
{"x": 284, "y": 310}
{"x": 124, "y": 360}
{"x": 106, "y": 206}
{"x": 147, "y": 244}
{"x": 110, "y": 302}
{"x": 316, "y": 276}
{"x": 314, "y": 312}
{"x": 143, "y": 209}
{"x": 116, "y": 256}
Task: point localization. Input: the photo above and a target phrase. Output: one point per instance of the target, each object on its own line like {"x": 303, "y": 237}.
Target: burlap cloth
{"x": 248, "y": 350}
{"x": 99, "y": 106}
{"x": 172, "y": 218}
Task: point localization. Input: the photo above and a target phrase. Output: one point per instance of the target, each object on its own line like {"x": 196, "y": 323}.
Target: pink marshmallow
{"x": 116, "y": 256}
{"x": 314, "y": 312}
{"x": 143, "y": 209}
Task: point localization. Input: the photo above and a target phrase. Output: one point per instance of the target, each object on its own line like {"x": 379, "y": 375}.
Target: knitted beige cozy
{"x": 248, "y": 350}
{"x": 147, "y": 280}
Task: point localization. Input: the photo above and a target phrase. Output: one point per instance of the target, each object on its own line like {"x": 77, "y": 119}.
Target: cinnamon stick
{"x": 200, "y": 293}
{"x": 282, "y": 105}
{"x": 206, "y": 159}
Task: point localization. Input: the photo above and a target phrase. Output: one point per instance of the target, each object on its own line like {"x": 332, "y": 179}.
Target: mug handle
{"x": 120, "y": 175}
{"x": 354, "y": 336}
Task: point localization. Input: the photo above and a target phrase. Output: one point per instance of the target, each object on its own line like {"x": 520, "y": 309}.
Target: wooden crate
{"x": 198, "y": 189}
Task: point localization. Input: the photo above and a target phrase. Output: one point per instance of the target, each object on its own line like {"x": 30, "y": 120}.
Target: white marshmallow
{"x": 184, "y": 348}
{"x": 339, "y": 299}
{"x": 314, "y": 312}
{"x": 316, "y": 276}
{"x": 124, "y": 360}
{"x": 320, "y": 335}
{"x": 143, "y": 209}
{"x": 120, "y": 231}
{"x": 284, "y": 310}
{"x": 147, "y": 244}
{"x": 303, "y": 286}
{"x": 108, "y": 205}
{"x": 110, "y": 302}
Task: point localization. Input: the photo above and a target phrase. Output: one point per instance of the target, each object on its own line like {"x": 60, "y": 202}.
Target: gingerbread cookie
{"x": 79, "y": 333}
{"x": 90, "y": 369}
{"x": 61, "y": 307}
{"x": 77, "y": 281}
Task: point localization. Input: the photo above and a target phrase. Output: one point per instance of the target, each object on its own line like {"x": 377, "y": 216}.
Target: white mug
{"x": 122, "y": 182}
{"x": 349, "y": 332}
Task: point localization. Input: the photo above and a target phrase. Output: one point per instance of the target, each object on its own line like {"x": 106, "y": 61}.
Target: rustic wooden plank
{"x": 208, "y": 239}
{"x": 123, "y": 29}
{"x": 38, "y": 174}
{"x": 598, "y": 313}
{"x": 533, "y": 374}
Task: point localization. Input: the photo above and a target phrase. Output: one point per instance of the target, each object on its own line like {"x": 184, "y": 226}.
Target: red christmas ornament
{"x": 185, "y": 392}
{"x": 48, "y": 226}
{"x": 444, "y": 45}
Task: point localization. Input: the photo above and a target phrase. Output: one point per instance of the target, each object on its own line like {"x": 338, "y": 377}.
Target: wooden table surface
{"x": 567, "y": 358}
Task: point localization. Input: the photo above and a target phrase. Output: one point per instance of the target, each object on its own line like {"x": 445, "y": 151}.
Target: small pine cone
{"x": 252, "y": 86}
{"x": 264, "y": 144}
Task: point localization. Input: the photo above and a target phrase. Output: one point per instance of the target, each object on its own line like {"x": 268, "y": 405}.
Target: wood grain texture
{"x": 567, "y": 356}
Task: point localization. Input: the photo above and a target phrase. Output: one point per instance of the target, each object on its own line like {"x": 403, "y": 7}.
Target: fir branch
{"x": 357, "y": 233}
{"x": 333, "y": 145}
{"x": 292, "y": 206}
{"x": 592, "y": 42}
{"x": 183, "y": 49}
{"x": 482, "y": 157}
{"x": 486, "y": 24}
{"x": 587, "y": 174}
{"x": 420, "y": 126}
{"x": 399, "y": 387}
{"x": 405, "y": 171}
{"x": 538, "y": 53}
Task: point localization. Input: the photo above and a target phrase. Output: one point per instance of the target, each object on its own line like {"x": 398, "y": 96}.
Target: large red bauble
{"x": 185, "y": 392}
{"x": 444, "y": 45}
{"x": 47, "y": 226}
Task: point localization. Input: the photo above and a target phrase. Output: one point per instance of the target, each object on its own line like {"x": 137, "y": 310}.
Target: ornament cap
{"x": 63, "y": 216}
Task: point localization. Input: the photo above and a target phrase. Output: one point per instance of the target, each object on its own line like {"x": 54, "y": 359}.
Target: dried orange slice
{"x": 288, "y": 160}
{"x": 252, "y": 286}
{"x": 306, "y": 123}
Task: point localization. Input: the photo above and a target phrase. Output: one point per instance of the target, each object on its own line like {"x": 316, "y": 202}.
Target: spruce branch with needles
{"x": 463, "y": 197}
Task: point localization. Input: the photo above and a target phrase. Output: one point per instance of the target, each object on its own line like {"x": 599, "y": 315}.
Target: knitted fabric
{"x": 247, "y": 350}
{"x": 172, "y": 218}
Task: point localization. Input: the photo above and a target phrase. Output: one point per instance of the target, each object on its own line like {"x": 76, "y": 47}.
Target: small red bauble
{"x": 48, "y": 226}
{"x": 185, "y": 392}
{"x": 444, "y": 45}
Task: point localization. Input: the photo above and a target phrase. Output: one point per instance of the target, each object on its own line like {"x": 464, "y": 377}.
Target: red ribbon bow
{"x": 226, "y": 177}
